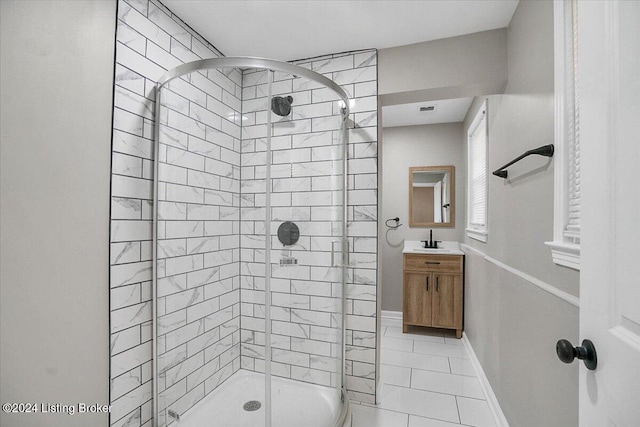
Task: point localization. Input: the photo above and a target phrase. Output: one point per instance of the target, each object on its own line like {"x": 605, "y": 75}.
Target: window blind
{"x": 572, "y": 120}
{"x": 478, "y": 173}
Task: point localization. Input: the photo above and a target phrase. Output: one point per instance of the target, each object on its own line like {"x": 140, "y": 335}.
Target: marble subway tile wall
{"x": 305, "y": 329}
{"x": 305, "y": 155}
{"x": 202, "y": 225}
{"x": 198, "y": 300}
{"x": 151, "y": 40}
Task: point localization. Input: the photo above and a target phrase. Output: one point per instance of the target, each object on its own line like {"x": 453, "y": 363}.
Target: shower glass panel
{"x": 304, "y": 146}
{"x": 197, "y": 300}
{"x": 249, "y": 243}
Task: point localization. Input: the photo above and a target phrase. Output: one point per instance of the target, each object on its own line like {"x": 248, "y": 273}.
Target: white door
{"x": 609, "y": 102}
{"x": 437, "y": 202}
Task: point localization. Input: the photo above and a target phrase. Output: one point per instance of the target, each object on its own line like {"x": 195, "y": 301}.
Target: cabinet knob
{"x": 587, "y": 353}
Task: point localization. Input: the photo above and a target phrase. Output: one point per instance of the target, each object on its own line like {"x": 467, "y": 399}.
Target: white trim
{"x": 475, "y": 231}
{"x": 571, "y": 299}
{"x": 482, "y": 111}
{"x": 559, "y": 164}
{"x": 565, "y": 254}
{"x": 492, "y": 400}
{"x": 391, "y": 318}
{"x": 477, "y": 234}
{"x": 562, "y": 251}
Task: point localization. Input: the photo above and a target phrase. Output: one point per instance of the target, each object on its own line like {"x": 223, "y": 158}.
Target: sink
{"x": 431, "y": 250}
{"x": 445, "y": 248}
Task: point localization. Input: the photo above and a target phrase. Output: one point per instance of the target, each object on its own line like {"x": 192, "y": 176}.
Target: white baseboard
{"x": 391, "y": 318}
{"x": 492, "y": 400}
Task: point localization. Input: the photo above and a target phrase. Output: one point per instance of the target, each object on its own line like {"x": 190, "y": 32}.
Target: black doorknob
{"x": 587, "y": 353}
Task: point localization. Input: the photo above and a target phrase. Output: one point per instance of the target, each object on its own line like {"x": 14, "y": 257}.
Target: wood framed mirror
{"x": 432, "y": 196}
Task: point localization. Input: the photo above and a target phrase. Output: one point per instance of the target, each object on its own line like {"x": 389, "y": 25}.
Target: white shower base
{"x": 294, "y": 404}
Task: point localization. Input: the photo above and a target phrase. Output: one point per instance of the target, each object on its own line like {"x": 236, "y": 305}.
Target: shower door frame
{"x": 268, "y": 65}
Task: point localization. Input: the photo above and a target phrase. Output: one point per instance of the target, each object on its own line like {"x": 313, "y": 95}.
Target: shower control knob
{"x": 587, "y": 353}
{"x": 288, "y": 233}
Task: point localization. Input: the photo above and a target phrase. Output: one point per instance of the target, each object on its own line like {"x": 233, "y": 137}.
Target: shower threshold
{"x": 294, "y": 404}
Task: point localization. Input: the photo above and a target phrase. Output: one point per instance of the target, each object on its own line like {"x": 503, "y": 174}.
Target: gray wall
{"x": 57, "y": 77}
{"x": 150, "y": 41}
{"x": 403, "y": 147}
{"x": 513, "y": 325}
{"x": 464, "y": 66}
{"x": 455, "y": 67}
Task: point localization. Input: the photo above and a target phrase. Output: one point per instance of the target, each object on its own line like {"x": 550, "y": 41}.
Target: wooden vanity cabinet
{"x": 433, "y": 291}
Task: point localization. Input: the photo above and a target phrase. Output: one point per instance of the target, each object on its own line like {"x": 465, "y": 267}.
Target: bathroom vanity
{"x": 433, "y": 288}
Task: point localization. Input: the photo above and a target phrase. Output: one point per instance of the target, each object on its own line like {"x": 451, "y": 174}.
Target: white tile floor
{"x": 428, "y": 381}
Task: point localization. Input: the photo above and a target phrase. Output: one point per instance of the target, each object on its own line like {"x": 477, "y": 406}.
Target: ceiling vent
{"x": 429, "y": 108}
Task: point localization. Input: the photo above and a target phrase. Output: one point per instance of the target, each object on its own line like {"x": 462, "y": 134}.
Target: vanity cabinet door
{"x": 447, "y": 301}
{"x": 417, "y": 298}
{"x": 433, "y": 291}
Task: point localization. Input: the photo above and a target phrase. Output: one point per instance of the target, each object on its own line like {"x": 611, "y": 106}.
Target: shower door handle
{"x": 344, "y": 256}
{"x": 333, "y": 253}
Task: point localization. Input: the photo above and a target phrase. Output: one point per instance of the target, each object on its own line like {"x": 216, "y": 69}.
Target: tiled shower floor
{"x": 428, "y": 382}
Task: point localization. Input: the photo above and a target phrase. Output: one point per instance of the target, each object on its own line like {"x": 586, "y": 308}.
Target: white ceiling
{"x": 298, "y": 29}
{"x": 445, "y": 111}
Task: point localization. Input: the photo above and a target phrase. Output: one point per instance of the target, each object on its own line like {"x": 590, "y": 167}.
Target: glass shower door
{"x": 249, "y": 226}
{"x": 306, "y": 227}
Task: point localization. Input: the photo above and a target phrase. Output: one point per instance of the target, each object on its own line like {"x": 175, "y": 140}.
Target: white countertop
{"x": 444, "y": 248}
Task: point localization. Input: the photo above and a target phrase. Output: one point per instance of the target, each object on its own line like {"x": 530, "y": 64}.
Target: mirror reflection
{"x": 431, "y": 196}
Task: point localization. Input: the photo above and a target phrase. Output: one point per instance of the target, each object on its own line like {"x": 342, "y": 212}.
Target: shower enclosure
{"x": 249, "y": 246}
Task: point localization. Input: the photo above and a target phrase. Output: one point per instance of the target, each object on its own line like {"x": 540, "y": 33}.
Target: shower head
{"x": 281, "y": 106}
